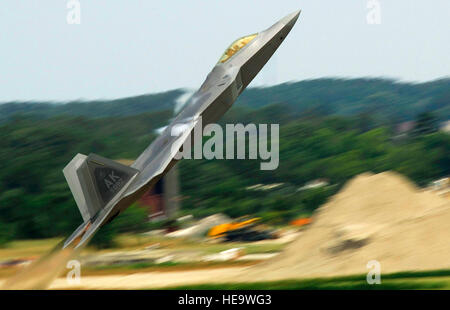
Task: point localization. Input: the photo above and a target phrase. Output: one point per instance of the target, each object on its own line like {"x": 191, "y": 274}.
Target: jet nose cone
{"x": 290, "y": 19}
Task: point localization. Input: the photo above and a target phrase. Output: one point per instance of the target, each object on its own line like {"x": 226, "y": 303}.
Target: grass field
{"x": 32, "y": 249}
{"x": 439, "y": 279}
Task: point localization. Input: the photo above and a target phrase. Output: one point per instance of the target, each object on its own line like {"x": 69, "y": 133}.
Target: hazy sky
{"x": 130, "y": 47}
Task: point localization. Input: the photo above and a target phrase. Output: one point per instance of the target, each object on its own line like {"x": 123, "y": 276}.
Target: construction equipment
{"x": 242, "y": 229}
{"x": 301, "y": 222}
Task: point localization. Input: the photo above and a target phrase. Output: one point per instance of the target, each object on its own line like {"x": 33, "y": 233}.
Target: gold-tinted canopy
{"x": 236, "y": 46}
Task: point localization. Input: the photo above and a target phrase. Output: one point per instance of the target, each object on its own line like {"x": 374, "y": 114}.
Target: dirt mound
{"x": 381, "y": 217}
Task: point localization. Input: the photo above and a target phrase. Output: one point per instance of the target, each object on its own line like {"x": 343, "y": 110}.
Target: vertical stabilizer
{"x": 95, "y": 181}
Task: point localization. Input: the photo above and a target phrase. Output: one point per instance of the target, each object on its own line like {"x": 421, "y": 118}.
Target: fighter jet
{"x": 102, "y": 188}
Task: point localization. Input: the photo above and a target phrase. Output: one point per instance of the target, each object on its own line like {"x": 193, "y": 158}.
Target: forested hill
{"x": 93, "y": 109}
{"x": 387, "y": 99}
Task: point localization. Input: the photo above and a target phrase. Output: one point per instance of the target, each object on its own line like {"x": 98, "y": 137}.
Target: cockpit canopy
{"x": 236, "y": 46}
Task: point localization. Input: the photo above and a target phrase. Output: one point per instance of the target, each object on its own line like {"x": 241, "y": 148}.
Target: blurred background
{"x": 364, "y": 114}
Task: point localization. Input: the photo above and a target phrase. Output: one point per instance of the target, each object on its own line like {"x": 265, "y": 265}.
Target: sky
{"x": 126, "y": 48}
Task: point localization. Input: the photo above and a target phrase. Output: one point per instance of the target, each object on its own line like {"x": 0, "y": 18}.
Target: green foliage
{"x": 382, "y": 99}
{"x": 426, "y": 123}
{"x": 132, "y": 219}
{"x": 6, "y": 233}
{"x": 92, "y": 109}
{"x": 104, "y": 238}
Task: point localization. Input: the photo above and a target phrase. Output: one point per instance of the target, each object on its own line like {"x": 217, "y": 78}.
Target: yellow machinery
{"x": 243, "y": 229}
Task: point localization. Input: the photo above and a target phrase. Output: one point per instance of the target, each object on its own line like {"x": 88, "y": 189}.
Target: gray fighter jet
{"x": 103, "y": 188}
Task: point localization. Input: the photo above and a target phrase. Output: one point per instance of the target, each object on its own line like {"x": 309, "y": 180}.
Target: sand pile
{"x": 381, "y": 217}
